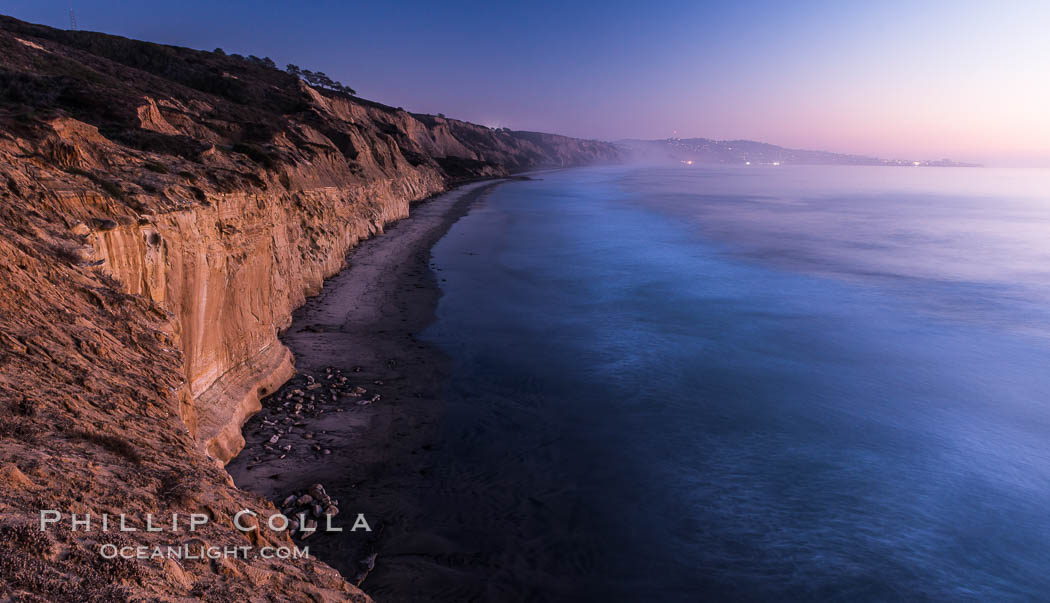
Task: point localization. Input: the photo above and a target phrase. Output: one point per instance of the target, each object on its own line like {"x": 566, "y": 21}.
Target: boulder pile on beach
{"x": 311, "y": 511}
{"x": 285, "y": 413}
{"x": 305, "y": 508}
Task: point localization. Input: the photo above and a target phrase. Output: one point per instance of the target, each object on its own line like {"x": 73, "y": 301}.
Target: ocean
{"x": 744, "y": 383}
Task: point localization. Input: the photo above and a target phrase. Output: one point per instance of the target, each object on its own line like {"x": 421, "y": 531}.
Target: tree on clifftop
{"x": 319, "y": 79}
{"x": 264, "y": 61}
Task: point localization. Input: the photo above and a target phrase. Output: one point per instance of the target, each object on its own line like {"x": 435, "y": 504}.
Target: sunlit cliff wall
{"x": 164, "y": 211}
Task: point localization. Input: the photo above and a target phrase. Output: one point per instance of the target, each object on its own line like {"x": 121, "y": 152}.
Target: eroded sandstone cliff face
{"x": 163, "y": 212}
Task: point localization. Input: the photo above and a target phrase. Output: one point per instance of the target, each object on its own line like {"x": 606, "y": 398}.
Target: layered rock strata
{"x": 163, "y": 211}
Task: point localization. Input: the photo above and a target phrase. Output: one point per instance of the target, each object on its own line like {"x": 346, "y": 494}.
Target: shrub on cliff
{"x": 319, "y": 79}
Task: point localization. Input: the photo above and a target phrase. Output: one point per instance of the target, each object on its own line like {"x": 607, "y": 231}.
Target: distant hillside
{"x": 705, "y": 150}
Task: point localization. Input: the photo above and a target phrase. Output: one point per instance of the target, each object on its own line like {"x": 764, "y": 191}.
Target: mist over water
{"x": 673, "y": 384}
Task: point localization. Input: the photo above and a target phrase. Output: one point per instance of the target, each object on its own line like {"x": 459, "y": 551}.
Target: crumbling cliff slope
{"x": 163, "y": 210}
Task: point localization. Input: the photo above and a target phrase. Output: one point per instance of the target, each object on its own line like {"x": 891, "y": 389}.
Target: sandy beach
{"x": 363, "y": 406}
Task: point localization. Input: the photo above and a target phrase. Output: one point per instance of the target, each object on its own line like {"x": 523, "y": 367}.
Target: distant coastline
{"x": 749, "y": 152}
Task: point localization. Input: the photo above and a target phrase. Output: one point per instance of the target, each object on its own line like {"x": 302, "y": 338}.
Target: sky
{"x": 911, "y": 80}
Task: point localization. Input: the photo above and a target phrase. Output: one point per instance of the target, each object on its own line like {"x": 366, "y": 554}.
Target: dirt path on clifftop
{"x": 352, "y": 342}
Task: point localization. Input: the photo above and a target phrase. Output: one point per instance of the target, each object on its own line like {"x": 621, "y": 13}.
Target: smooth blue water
{"x": 682, "y": 384}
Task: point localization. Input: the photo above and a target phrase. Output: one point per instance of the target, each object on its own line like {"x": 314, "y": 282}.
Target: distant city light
{"x": 747, "y": 163}
{"x": 776, "y": 163}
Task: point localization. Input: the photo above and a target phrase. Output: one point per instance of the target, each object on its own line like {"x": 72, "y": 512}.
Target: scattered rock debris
{"x": 283, "y": 420}
{"x": 304, "y": 508}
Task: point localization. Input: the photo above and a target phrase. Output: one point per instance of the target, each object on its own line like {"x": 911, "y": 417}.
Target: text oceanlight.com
{"x": 197, "y": 551}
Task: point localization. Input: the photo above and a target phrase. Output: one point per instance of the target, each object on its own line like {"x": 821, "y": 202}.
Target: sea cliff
{"x": 163, "y": 212}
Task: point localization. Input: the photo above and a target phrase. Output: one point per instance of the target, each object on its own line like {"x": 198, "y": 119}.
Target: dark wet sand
{"x": 363, "y": 326}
